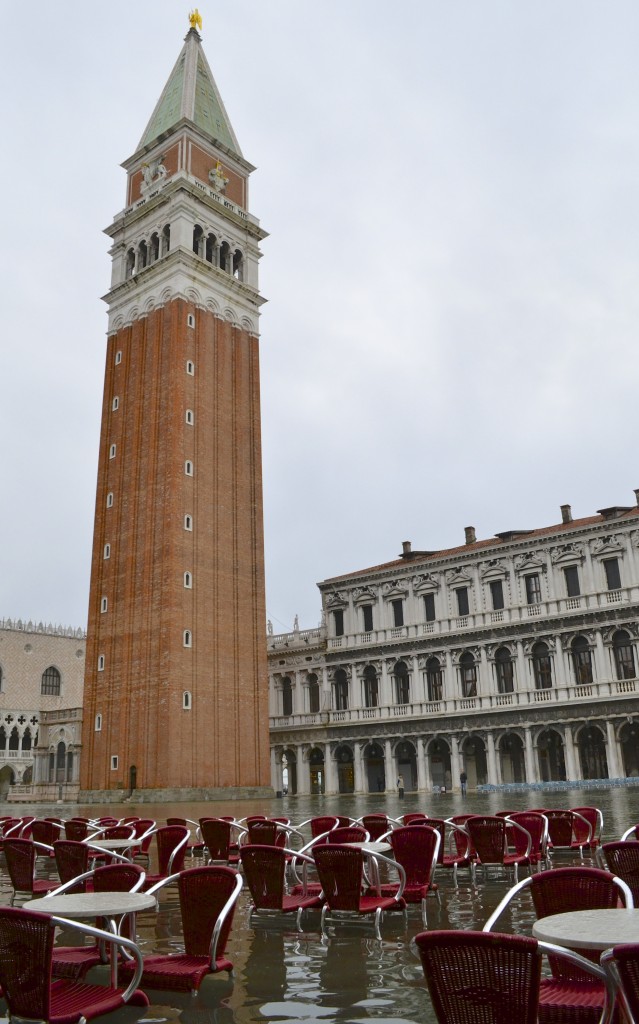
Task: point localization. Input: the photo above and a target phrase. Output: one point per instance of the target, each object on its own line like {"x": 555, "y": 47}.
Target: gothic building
{"x": 175, "y": 687}
{"x": 513, "y": 658}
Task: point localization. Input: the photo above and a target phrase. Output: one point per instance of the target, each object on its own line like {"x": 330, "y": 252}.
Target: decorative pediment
{"x": 425, "y": 583}
{"x": 493, "y": 570}
{"x": 395, "y": 588}
{"x": 364, "y": 595}
{"x": 459, "y": 577}
{"x": 530, "y": 562}
{"x": 604, "y": 546}
{"x": 567, "y": 554}
{"x": 336, "y": 600}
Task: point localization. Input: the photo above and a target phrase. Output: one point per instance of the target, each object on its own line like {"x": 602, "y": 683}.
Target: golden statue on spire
{"x": 195, "y": 19}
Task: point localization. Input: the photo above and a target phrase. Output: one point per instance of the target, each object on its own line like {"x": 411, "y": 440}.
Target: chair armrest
{"x": 224, "y": 913}
{"x": 499, "y": 909}
{"x": 127, "y": 945}
{"x": 398, "y": 868}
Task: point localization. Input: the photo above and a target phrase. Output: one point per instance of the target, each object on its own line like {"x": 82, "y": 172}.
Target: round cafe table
{"x": 589, "y": 929}
{"x": 371, "y": 846}
{"x": 81, "y": 905}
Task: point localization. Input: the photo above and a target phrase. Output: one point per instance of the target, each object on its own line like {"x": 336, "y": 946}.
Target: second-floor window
{"x": 582, "y": 660}
{"x": 462, "y": 600}
{"x": 468, "y": 672}
{"x": 624, "y": 655}
{"x": 402, "y": 683}
{"x": 313, "y": 694}
{"x": 504, "y": 670}
{"x": 571, "y": 575}
{"x": 287, "y": 696}
{"x": 542, "y": 667}
{"x": 371, "y": 687}
{"x": 398, "y": 612}
{"x": 338, "y": 621}
{"x": 429, "y": 607}
{"x": 434, "y": 679}
{"x": 367, "y": 617}
{"x": 613, "y": 576}
{"x": 533, "y": 588}
{"x": 497, "y": 594}
{"x": 340, "y": 690}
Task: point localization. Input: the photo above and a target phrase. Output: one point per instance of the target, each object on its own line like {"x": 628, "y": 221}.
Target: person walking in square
{"x": 400, "y": 786}
{"x": 463, "y": 779}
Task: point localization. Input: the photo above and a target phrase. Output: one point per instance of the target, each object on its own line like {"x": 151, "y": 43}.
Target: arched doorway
{"x": 438, "y": 754}
{"x": 345, "y": 769}
{"x": 592, "y": 753}
{"x": 316, "y": 771}
{"x": 629, "y": 742}
{"x": 473, "y": 754}
{"x": 550, "y": 751}
{"x": 289, "y": 774}
{"x": 7, "y": 779}
{"x": 406, "y": 763}
{"x": 375, "y": 768}
{"x": 511, "y": 758}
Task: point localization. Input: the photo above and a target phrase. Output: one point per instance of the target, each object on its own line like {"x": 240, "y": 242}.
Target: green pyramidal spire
{"x": 191, "y": 92}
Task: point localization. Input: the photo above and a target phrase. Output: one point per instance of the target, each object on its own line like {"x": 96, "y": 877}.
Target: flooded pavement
{"x": 283, "y": 975}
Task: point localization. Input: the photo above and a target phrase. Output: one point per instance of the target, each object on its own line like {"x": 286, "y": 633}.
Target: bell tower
{"x": 176, "y": 688}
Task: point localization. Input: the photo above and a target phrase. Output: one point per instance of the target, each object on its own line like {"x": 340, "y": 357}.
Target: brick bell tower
{"x": 176, "y": 690}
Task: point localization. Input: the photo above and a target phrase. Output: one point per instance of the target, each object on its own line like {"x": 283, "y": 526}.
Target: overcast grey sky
{"x": 451, "y": 191}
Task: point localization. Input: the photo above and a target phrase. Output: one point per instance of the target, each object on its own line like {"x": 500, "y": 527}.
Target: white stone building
{"x": 41, "y": 684}
{"x": 513, "y": 658}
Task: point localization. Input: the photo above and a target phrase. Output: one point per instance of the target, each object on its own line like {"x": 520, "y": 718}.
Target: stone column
{"x": 303, "y": 771}
{"x": 389, "y": 767}
{"x": 602, "y": 671}
{"x": 330, "y": 771}
{"x": 613, "y": 753}
{"x": 483, "y": 689}
{"x": 522, "y": 680}
{"x": 455, "y": 768}
{"x": 450, "y": 678}
{"x": 416, "y": 685}
{"x": 532, "y": 770}
{"x": 325, "y": 697}
{"x": 493, "y": 774}
{"x": 357, "y": 767}
{"x": 276, "y": 768}
{"x": 572, "y": 766}
{"x": 421, "y": 768}
{"x": 386, "y": 684}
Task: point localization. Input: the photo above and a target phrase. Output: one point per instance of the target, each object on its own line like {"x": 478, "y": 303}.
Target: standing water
{"x": 284, "y": 975}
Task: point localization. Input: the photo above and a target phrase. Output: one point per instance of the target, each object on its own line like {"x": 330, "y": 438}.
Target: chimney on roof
{"x": 566, "y": 514}
{"x": 470, "y": 534}
{"x": 637, "y": 495}
{"x": 406, "y": 546}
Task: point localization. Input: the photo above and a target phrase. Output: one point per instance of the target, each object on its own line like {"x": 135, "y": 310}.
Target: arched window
{"x": 211, "y": 250}
{"x": 434, "y": 679}
{"x": 198, "y": 242}
{"x": 187, "y": 701}
{"x": 143, "y": 255}
{"x": 26, "y": 739}
{"x": 371, "y": 687}
{"x": 582, "y": 660}
{"x": 504, "y": 670}
{"x": 542, "y": 667}
{"x": 238, "y": 265}
{"x": 109, "y": 501}
{"x": 340, "y": 690}
{"x": 166, "y": 239}
{"x": 287, "y": 696}
{"x": 468, "y": 673}
{"x": 188, "y": 467}
{"x": 188, "y": 580}
{"x": 402, "y": 683}
{"x": 623, "y": 652}
{"x": 3, "y": 738}
{"x": 226, "y": 262}
{"x": 60, "y": 762}
{"x": 98, "y": 723}
{"x": 154, "y": 247}
{"x": 188, "y": 638}
{"x": 14, "y": 739}
{"x": 313, "y": 694}
{"x": 51, "y": 680}
{"x": 130, "y": 263}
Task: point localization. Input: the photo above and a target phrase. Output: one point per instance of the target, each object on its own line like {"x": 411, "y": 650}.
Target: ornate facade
{"x": 41, "y": 682}
{"x": 514, "y": 659}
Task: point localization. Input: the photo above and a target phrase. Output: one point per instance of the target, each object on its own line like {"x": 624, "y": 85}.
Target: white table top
{"x": 93, "y": 904}
{"x": 371, "y": 846}
{"x": 589, "y": 929}
{"x": 111, "y": 844}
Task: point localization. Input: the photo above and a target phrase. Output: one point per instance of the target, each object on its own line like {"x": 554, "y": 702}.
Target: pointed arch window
{"x": 51, "y": 681}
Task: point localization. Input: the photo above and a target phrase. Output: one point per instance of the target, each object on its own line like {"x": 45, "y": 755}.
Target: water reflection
{"x": 285, "y": 976}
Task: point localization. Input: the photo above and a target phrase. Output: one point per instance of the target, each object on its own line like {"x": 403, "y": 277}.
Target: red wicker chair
{"x": 416, "y": 817}
{"x": 536, "y": 825}
{"x": 489, "y": 837}
{"x": 594, "y": 818}
{"x": 264, "y": 832}
{"x": 567, "y": 831}
{"x": 76, "y": 830}
{"x": 320, "y": 824}
{"x": 194, "y": 847}
{"x": 348, "y": 834}
{"x": 264, "y": 869}
{"x": 218, "y": 842}
{"x": 454, "y": 847}
{"x": 171, "y": 843}
{"x": 341, "y": 873}
{"x": 207, "y": 903}
{"x": 491, "y": 978}
{"x": 20, "y": 855}
{"x": 72, "y": 859}
{"x": 621, "y": 964}
{"x": 26, "y": 953}
{"x": 623, "y": 860}
{"x": 571, "y": 996}
{"x": 415, "y": 847}
{"x": 377, "y": 825}
{"x": 46, "y": 832}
